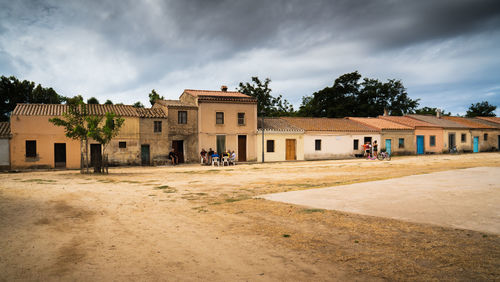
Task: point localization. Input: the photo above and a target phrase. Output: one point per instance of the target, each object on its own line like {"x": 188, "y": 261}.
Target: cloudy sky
{"x": 446, "y": 52}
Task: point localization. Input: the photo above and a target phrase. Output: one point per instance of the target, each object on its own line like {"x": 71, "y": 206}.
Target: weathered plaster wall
{"x": 4, "y": 153}
{"x": 279, "y": 153}
{"x": 334, "y": 145}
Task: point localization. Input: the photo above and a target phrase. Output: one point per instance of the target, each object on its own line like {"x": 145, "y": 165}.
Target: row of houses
{"x": 227, "y": 120}
{"x": 297, "y": 138}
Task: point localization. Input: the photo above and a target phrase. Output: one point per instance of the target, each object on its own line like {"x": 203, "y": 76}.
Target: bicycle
{"x": 453, "y": 150}
{"x": 384, "y": 156}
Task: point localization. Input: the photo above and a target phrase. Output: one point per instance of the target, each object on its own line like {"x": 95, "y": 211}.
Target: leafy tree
{"x": 482, "y": 109}
{"x": 14, "y": 91}
{"x": 153, "y": 96}
{"x": 430, "y": 111}
{"x": 266, "y": 103}
{"x": 138, "y": 104}
{"x": 350, "y": 97}
{"x": 92, "y": 100}
{"x": 108, "y": 102}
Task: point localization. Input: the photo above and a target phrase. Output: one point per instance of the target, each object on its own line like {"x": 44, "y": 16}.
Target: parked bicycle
{"x": 384, "y": 156}
{"x": 453, "y": 150}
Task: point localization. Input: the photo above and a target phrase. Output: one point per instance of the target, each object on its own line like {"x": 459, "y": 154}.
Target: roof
{"x": 210, "y": 95}
{"x": 173, "y": 103}
{"x": 94, "y": 109}
{"x": 487, "y": 122}
{"x": 438, "y": 121}
{"x": 469, "y": 122}
{"x": 327, "y": 124}
{"x": 4, "y": 129}
{"x": 491, "y": 119}
{"x": 411, "y": 122}
{"x": 277, "y": 124}
{"x": 381, "y": 124}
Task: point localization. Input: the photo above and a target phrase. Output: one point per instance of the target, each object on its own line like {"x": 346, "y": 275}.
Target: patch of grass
{"x": 312, "y": 210}
{"x": 286, "y": 235}
{"x": 166, "y": 189}
{"x": 232, "y": 200}
{"x": 200, "y": 209}
{"x": 106, "y": 180}
{"x": 130, "y": 181}
{"x": 215, "y": 203}
{"x": 152, "y": 195}
{"x": 39, "y": 181}
{"x": 356, "y": 241}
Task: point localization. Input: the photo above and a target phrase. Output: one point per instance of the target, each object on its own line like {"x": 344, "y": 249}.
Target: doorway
{"x": 420, "y": 144}
{"x": 475, "y": 147}
{"x": 145, "y": 154}
{"x": 178, "y": 146}
{"x": 59, "y": 154}
{"x": 367, "y": 139}
{"x": 388, "y": 146}
{"x": 242, "y": 148}
{"x": 95, "y": 156}
{"x": 451, "y": 140}
{"x": 291, "y": 150}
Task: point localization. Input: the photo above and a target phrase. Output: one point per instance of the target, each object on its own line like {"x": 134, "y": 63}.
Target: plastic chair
{"x": 215, "y": 160}
{"x": 225, "y": 160}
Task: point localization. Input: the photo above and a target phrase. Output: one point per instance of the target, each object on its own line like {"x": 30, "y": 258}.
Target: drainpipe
{"x": 262, "y": 136}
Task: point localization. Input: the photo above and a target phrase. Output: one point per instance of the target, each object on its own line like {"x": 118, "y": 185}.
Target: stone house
{"x": 4, "y": 145}
{"x": 333, "y": 138}
{"x": 484, "y": 136}
{"x": 282, "y": 140}
{"x": 397, "y": 139}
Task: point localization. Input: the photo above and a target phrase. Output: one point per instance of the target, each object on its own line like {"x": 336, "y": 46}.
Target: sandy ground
{"x": 462, "y": 198}
{"x": 201, "y": 223}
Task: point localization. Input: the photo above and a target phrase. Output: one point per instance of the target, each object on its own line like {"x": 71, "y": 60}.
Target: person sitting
{"x": 209, "y": 154}
{"x": 203, "y": 155}
{"x": 173, "y": 157}
{"x": 232, "y": 158}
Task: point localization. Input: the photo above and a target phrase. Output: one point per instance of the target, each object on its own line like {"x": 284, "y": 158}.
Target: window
{"x": 30, "y": 148}
{"x": 219, "y": 118}
{"x": 270, "y": 146}
{"x": 157, "y": 126}
{"x": 463, "y": 137}
{"x": 401, "y": 142}
{"x": 432, "y": 140}
{"x": 182, "y": 117}
{"x": 485, "y": 137}
{"x": 241, "y": 118}
{"x": 122, "y": 144}
{"x": 317, "y": 144}
{"x": 356, "y": 144}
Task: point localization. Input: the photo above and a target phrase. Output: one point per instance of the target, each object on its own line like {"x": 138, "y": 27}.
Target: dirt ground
{"x": 201, "y": 223}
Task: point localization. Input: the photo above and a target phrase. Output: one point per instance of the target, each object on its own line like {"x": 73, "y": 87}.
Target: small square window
{"x": 485, "y": 137}
{"x": 432, "y": 140}
{"x": 356, "y": 144}
{"x": 241, "y": 118}
{"x": 182, "y": 117}
{"x": 157, "y": 126}
{"x": 463, "y": 138}
{"x": 317, "y": 144}
{"x": 219, "y": 118}
{"x": 30, "y": 148}
{"x": 122, "y": 144}
{"x": 401, "y": 142}
{"x": 270, "y": 146}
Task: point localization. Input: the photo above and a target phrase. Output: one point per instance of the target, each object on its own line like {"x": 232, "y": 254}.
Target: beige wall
{"x": 45, "y": 134}
{"x": 279, "y": 153}
{"x": 427, "y": 133}
{"x": 394, "y": 136}
{"x": 490, "y": 143}
{"x": 188, "y": 132}
{"x": 461, "y": 146}
{"x": 208, "y": 129}
{"x": 334, "y": 145}
{"x": 129, "y": 133}
{"x": 4, "y": 153}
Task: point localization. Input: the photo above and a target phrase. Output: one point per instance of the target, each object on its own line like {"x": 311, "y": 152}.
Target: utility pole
{"x": 262, "y": 127}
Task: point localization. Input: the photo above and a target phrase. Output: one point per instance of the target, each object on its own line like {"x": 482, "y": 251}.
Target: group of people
{"x": 370, "y": 150}
{"x": 207, "y": 156}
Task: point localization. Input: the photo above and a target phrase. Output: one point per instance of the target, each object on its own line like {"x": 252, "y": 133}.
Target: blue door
{"x": 476, "y": 144}
{"x": 420, "y": 144}
{"x": 388, "y": 146}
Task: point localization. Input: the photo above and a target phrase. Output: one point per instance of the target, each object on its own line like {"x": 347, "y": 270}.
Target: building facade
{"x": 282, "y": 141}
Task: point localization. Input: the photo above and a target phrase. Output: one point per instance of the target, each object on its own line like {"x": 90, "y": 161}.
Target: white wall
{"x": 279, "y": 153}
{"x": 4, "y": 152}
{"x": 334, "y": 145}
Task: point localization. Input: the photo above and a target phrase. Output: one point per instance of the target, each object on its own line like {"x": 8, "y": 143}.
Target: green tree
{"x": 138, "y": 104}
{"x": 431, "y": 111}
{"x": 267, "y": 104}
{"x": 14, "y": 91}
{"x": 153, "y": 96}
{"x": 350, "y": 97}
{"x": 108, "y": 102}
{"x": 482, "y": 109}
{"x": 92, "y": 101}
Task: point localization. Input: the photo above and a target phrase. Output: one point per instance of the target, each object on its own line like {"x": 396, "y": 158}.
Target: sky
{"x": 446, "y": 52}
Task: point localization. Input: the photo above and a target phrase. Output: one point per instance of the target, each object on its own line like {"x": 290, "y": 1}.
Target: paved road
{"x": 464, "y": 198}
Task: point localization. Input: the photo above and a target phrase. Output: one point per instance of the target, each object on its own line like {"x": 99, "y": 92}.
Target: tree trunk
{"x": 87, "y": 155}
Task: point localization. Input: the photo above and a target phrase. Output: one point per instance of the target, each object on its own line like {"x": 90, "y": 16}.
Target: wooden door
{"x": 291, "y": 149}
{"x": 420, "y": 144}
{"x": 178, "y": 146}
{"x": 242, "y": 148}
{"x": 145, "y": 154}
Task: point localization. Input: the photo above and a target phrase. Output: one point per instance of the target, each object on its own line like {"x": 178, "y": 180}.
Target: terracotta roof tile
{"x": 491, "y": 119}
{"x": 487, "y": 122}
{"x": 4, "y": 129}
{"x": 438, "y": 121}
{"x": 94, "y": 109}
{"x": 277, "y": 124}
{"x": 328, "y": 124}
{"x": 468, "y": 122}
{"x": 381, "y": 124}
{"x": 198, "y": 93}
{"x": 408, "y": 121}
{"x": 174, "y": 103}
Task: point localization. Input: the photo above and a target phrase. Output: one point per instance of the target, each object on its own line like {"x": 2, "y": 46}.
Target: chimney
{"x": 438, "y": 113}
{"x": 386, "y": 113}
{"x": 223, "y": 88}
